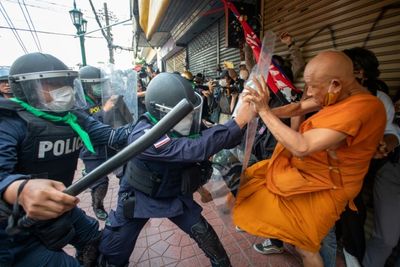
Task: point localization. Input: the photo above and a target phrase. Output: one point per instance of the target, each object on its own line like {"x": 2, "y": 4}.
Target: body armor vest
{"x": 166, "y": 179}
{"x": 102, "y": 151}
{"x": 156, "y": 179}
{"x": 49, "y": 150}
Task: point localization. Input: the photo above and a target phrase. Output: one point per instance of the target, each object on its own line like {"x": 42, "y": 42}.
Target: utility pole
{"x": 109, "y": 35}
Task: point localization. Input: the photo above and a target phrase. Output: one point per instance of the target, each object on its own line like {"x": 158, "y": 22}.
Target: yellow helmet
{"x": 187, "y": 75}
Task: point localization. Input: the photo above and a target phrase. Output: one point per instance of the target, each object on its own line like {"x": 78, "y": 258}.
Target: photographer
{"x": 225, "y": 97}
{"x": 205, "y": 90}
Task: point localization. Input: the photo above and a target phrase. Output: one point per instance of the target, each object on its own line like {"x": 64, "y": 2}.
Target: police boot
{"x": 208, "y": 241}
{"x": 98, "y": 195}
{"x": 102, "y": 262}
{"x": 87, "y": 256}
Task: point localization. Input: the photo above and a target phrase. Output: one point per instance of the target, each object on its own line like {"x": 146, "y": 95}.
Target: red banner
{"x": 251, "y": 37}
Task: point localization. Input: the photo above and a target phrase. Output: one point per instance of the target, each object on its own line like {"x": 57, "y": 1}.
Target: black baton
{"x": 182, "y": 109}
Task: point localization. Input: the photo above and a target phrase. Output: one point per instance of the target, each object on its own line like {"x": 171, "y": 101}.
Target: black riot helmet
{"x": 93, "y": 80}
{"x": 168, "y": 89}
{"x": 46, "y": 83}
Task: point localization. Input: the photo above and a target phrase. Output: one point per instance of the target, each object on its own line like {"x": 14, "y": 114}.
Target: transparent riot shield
{"x": 262, "y": 69}
{"x": 230, "y": 164}
{"x": 119, "y": 96}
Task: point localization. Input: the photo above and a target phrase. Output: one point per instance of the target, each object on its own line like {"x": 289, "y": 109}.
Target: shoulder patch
{"x": 163, "y": 140}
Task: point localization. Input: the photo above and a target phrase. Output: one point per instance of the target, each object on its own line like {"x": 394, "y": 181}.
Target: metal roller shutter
{"x": 351, "y": 22}
{"x": 227, "y": 54}
{"x": 203, "y": 52}
{"x": 177, "y": 62}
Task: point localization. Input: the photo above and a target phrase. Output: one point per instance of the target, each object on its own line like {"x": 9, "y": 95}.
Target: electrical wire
{"x": 34, "y": 36}
{"x": 30, "y": 18}
{"x": 45, "y": 32}
{"x": 9, "y": 22}
{"x": 55, "y": 7}
{"x": 37, "y": 6}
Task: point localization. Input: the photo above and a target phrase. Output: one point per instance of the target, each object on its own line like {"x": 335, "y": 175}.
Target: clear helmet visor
{"x": 54, "y": 91}
{"x": 120, "y": 90}
{"x": 191, "y": 123}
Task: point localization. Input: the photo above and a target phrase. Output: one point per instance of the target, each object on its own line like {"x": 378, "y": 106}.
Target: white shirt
{"x": 391, "y": 128}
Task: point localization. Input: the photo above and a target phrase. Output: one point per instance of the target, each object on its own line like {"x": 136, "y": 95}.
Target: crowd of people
{"x": 313, "y": 162}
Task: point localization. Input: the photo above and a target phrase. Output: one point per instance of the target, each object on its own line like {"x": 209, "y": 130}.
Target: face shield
{"x": 96, "y": 86}
{"x": 55, "y": 91}
{"x": 120, "y": 90}
{"x": 189, "y": 124}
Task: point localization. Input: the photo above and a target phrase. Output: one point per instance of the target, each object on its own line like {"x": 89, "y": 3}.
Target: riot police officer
{"x": 93, "y": 83}
{"x": 40, "y": 140}
{"x": 160, "y": 182}
{"x": 5, "y": 90}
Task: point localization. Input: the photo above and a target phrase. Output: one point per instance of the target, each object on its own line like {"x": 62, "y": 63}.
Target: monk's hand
{"x": 43, "y": 199}
{"x": 258, "y": 96}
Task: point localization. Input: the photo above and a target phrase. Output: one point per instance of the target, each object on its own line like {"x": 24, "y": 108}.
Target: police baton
{"x": 182, "y": 109}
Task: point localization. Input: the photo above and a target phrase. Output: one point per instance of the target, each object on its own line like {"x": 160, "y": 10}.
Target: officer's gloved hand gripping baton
{"x": 182, "y": 109}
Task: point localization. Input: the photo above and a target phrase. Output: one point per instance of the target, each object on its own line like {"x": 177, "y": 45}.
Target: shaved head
{"x": 330, "y": 65}
{"x": 329, "y": 77}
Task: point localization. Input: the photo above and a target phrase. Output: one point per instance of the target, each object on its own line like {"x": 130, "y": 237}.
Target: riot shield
{"x": 119, "y": 96}
{"x": 230, "y": 164}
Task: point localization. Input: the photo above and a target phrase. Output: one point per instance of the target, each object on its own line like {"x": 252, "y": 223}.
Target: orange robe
{"x": 297, "y": 200}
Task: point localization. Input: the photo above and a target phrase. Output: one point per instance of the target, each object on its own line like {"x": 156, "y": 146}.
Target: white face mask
{"x": 96, "y": 89}
{"x": 183, "y": 127}
{"x": 63, "y": 99}
{"x": 222, "y": 83}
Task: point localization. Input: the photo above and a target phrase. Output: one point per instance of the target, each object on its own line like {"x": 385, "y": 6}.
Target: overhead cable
{"x": 35, "y": 38}
{"x": 9, "y": 22}
{"x": 45, "y": 32}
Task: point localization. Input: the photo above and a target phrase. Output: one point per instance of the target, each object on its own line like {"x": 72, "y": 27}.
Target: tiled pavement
{"x": 161, "y": 243}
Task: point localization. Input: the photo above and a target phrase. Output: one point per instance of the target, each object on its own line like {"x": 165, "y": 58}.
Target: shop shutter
{"x": 177, "y": 62}
{"x": 227, "y": 54}
{"x": 203, "y": 52}
{"x": 319, "y": 24}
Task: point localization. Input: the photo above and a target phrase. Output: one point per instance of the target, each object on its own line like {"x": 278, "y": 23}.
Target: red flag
{"x": 276, "y": 80}
{"x": 251, "y": 37}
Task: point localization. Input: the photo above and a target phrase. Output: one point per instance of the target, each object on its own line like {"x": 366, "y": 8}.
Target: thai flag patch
{"x": 164, "y": 140}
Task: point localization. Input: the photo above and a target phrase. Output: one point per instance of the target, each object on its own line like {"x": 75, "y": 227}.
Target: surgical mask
{"x": 97, "y": 89}
{"x": 183, "y": 127}
{"x": 330, "y": 98}
{"x": 222, "y": 83}
{"x": 63, "y": 99}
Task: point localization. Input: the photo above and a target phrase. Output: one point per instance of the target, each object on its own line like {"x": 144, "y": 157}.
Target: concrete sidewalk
{"x": 161, "y": 243}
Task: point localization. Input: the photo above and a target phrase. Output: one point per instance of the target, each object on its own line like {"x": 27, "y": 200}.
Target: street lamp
{"x": 80, "y": 24}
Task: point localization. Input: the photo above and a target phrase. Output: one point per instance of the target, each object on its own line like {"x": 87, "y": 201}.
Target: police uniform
{"x": 154, "y": 181}
{"x": 31, "y": 147}
{"x": 93, "y": 160}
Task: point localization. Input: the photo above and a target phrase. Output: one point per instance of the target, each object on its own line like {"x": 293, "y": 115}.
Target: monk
{"x": 298, "y": 194}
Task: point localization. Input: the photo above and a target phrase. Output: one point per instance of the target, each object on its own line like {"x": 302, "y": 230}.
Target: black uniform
{"x": 160, "y": 183}
{"x": 31, "y": 147}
